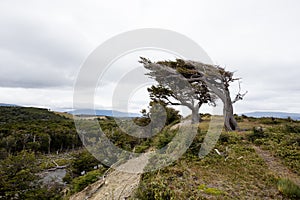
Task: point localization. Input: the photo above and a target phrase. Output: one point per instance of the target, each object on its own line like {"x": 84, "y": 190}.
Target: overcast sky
{"x": 44, "y": 43}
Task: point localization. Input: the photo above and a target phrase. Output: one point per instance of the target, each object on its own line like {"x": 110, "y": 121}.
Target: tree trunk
{"x": 224, "y": 94}
{"x": 229, "y": 122}
{"x": 195, "y": 115}
{"x": 49, "y": 144}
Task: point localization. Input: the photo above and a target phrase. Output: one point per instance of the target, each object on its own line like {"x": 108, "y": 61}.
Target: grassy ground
{"x": 239, "y": 173}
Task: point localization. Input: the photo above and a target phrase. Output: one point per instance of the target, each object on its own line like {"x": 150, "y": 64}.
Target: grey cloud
{"x": 43, "y": 44}
{"x": 38, "y": 53}
{"x": 37, "y": 42}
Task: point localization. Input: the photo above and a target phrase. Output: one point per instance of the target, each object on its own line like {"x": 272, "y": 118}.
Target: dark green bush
{"x": 154, "y": 190}
{"x": 141, "y": 148}
{"x": 81, "y": 182}
{"x": 270, "y": 120}
{"x": 83, "y": 161}
{"x": 292, "y": 128}
{"x": 257, "y": 133}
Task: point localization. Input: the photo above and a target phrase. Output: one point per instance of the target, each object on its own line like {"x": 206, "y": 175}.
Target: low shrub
{"x": 269, "y": 121}
{"x": 154, "y": 190}
{"x": 291, "y": 128}
{"x": 257, "y": 133}
{"x": 81, "y": 182}
{"x": 288, "y": 188}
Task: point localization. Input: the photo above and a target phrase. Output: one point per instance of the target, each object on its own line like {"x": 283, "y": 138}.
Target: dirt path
{"x": 118, "y": 184}
{"x": 276, "y": 166}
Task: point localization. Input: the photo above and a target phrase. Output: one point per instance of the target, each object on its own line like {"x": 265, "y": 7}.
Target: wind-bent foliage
{"x": 173, "y": 89}
{"x": 206, "y": 81}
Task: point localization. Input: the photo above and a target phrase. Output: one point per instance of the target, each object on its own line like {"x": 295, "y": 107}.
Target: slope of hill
{"x": 37, "y": 129}
{"x": 258, "y": 163}
{"x": 22, "y": 114}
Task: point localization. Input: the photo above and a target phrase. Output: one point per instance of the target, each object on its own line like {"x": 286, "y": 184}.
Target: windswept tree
{"x": 218, "y": 81}
{"x": 172, "y": 90}
{"x": 206, "y": 81}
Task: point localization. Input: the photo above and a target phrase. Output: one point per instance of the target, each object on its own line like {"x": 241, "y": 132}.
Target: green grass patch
{"x": 209, "y": 190}
{"x": 288, "y": 188}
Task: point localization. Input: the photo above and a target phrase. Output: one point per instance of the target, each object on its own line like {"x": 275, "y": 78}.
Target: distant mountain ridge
{"x": 110, "y": 113}
{"x": 100, "y": 112}
{"x": 9, "y": 105}
{"x": 294, "y": 116}
{"x": 113, "y": 113}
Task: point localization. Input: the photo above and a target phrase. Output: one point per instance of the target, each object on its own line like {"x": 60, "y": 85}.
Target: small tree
{"x": 172, "y": 114}
{"x": 157, "y": 116}
{"x": 174, "y": 91}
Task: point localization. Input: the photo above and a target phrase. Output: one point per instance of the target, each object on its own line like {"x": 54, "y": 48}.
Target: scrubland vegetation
{"x": 35, "y": 140}
{"x": 239, "y": 172}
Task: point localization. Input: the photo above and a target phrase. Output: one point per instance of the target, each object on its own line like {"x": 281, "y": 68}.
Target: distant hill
{"x": 15, "y": 114}
{"x": 9, "y": 105}
{"x": 109, "y": 113}
{"x": 294, "y": 116}
{"x": 36, "y": 129}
